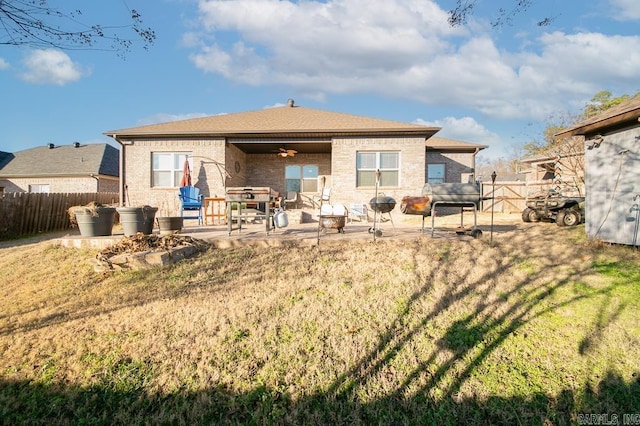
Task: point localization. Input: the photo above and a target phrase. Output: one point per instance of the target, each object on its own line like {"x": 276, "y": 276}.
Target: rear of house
{"x": 290, "y": 149}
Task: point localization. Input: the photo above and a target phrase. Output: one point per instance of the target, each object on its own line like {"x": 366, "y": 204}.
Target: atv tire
{"x": 568, "y": 217}
{"x": 529, "y": 215}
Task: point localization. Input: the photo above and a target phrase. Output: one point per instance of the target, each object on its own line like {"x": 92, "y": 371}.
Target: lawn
{"x": 539, "y": 326}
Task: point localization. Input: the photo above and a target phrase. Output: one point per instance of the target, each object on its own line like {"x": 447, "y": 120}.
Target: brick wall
{"x": 235, "y": 168}
{"x": 412, "y": 169}
{"x": 57, "y": 185}
{"x": 268, "y": 169}
{"x": 458, "y": 165}
{"x": 208, "y": 163}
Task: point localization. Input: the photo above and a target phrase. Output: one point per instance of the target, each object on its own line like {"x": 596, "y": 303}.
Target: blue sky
{"x": 389, "y": 59}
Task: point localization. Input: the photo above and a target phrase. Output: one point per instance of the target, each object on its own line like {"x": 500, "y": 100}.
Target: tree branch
{"x": 33, "y": 23}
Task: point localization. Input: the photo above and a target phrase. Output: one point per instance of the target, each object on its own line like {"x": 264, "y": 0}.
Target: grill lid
{"x": 382, "y": 204}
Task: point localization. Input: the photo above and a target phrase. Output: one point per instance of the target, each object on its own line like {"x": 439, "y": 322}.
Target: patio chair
{"x": 322, "y": 198}
{"x": 291, "y": 198}
{"x": 191, "y": 201}
{"x": 359, "y": 211}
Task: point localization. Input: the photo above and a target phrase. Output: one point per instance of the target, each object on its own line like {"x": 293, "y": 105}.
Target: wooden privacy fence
{"x": 510, "y": 197}
{"x": 23, "y": 213}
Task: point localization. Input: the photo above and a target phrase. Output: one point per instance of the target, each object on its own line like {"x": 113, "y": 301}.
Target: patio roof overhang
{"x": 315, "y": 141}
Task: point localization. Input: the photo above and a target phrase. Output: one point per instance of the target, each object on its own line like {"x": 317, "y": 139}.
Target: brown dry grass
{"x": 525, "y": 329}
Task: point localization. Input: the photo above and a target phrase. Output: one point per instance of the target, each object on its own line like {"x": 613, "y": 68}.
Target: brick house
{"x": 75, "y": 168}
{"x": 248, "y": 149}
{"x": 561, "y": 171}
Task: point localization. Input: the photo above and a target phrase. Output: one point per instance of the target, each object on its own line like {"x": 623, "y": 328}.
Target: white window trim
{"x": 40, "y": 186}
{"x": 397, "y": 185}
{"x": 189, "y": 155}
{"x": 302, "y": 178}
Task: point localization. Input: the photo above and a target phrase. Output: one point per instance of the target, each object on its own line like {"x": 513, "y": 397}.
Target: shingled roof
{"x": 5, "y": 157}
{"x": 437, "y": 142}
{"x": 65, "y": 160}
{"x": 279, "y": 121}
{"x": 620, "y": 115}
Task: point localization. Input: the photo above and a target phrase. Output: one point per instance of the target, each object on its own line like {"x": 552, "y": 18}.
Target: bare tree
{"x": 568, "y": 165}
{"x": 465, "y": 8}
{"x": 34, "y": 23}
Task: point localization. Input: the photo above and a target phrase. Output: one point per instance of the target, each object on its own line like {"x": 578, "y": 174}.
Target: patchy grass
{"x": 420, "y": 332}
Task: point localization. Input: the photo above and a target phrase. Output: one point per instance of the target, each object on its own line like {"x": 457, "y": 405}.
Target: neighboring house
{"x": 62, "y": 169}
{"x": 612, "y": 172}
{"x": 4, "y": 158}
{"x": 539, "y": 167}
{"x": 248, "y": 149}
{"x": 561, "y": 171}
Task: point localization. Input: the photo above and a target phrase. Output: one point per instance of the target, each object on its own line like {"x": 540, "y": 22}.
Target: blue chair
{"x": 191, "y": 200}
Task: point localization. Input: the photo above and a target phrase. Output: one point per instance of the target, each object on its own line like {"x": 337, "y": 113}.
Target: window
{"x": 435, "y": 173}
{"x": 42, "y": 188}
{"x": 368, "y": 162}
{"x": 301, "y": 178}
{"x": 168, "y": 168}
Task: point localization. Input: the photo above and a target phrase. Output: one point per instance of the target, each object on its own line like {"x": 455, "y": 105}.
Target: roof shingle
{"x": 279, "y": 120}
{"x": 87, "y": 159}
{"x": 437, "y": 142}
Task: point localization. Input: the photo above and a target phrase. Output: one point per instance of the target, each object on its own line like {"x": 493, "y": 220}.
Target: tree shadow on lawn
{"x": 467, "y": 342}
{"x": 32, "y": 403}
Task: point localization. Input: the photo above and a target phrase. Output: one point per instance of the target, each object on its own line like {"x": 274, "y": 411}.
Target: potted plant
{"x": 137, "y": 219}
{"x": 93, "y": 219}
{"x": 169, "y": 224}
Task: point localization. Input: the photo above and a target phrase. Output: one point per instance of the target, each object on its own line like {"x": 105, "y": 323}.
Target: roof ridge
{"x": 276, "y": 120}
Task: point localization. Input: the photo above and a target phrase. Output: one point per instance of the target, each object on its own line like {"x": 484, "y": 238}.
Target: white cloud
{"x": 314, "y": 44}
{"x": 4, "y": 65}
{"x": 50, "y": 66}
{"x": 163, "y": 117}
{"x": 465, "y": 129}
{"x": 405, "y": 49}
{"x": 625, "y": 10}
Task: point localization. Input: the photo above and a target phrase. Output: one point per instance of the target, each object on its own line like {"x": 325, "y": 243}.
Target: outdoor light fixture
{"x": 594, "y": 142}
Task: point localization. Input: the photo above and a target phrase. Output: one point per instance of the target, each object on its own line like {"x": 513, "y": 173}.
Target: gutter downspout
{"x": 473, "y": 163}
{"x": 121, "y": 170}
{"x": 97, "y": 178}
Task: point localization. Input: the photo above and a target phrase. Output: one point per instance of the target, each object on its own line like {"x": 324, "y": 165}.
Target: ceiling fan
{"x": 287, "y": 152}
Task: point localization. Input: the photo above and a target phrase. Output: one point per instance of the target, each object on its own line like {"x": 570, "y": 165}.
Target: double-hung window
{"x": 368, "y": 162}
{"x": 40, "y": 188}
{"x": 168, "y": 168}
{"x": 435, "y": 173}
{"x": 301, "y": 178}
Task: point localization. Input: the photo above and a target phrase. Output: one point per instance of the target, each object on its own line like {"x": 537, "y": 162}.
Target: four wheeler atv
{"x": 554, "y": 207}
